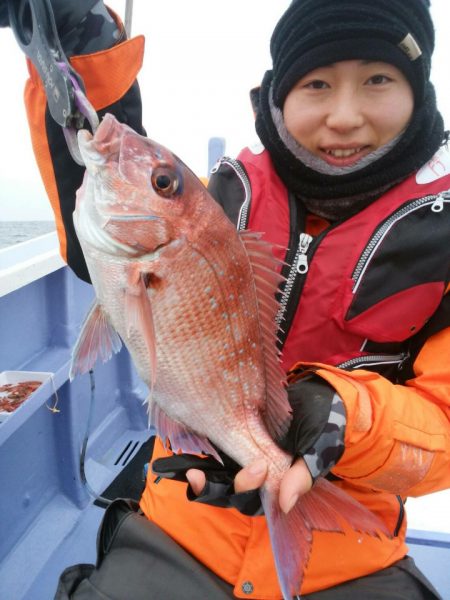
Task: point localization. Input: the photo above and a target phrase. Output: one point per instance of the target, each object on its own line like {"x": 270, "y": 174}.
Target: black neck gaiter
{"x": 340, "y": 196}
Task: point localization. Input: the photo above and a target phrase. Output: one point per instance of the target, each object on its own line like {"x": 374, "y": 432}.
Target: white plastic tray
{"x": 18, "y": 377}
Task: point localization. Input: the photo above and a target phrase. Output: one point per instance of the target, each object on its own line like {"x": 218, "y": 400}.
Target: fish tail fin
{"x": 324, "y": 508}
{"x": 291, "y": 538}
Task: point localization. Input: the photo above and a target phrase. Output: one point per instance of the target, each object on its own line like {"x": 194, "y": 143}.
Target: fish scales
{"x": 208, "y": 343}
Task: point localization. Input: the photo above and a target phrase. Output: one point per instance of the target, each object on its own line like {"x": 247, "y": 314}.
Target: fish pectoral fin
{"x": 324, "y": 508}
{"x": 139, "y": 317}
{"x": 97, "y": 339}
{"x": 181, "y": 438}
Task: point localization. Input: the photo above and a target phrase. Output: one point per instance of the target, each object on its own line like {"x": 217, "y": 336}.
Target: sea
{"x": 14, "y": 232}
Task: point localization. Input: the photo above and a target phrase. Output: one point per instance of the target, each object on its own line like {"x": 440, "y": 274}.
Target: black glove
{"x": 219, "y": 487}
{"x": 84, "y": 26}
{"x": 318, "y": 424}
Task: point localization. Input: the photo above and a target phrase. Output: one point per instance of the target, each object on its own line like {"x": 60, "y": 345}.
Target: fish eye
{"x": 165, "y": 181}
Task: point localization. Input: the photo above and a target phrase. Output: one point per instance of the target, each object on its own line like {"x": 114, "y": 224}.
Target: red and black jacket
{"x": 367, "y": 290}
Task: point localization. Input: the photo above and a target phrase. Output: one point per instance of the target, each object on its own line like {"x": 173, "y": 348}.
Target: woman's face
{"x": 346, "y": 110}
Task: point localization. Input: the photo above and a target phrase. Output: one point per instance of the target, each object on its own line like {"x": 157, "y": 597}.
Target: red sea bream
{"x": 194, "y": 302}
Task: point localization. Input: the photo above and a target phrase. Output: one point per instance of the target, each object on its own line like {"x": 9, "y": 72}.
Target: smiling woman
{"x": 351, "y": 178}
{"x": 344, "y": 113}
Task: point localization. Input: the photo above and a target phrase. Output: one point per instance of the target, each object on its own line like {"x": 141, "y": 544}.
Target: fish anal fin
{"x": 180, "y": 437}
{"x": 267, "y": 277}
{"x": 97, "y": 339}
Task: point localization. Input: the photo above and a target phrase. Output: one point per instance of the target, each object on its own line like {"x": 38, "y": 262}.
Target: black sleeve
{"x": 227, "y": 189}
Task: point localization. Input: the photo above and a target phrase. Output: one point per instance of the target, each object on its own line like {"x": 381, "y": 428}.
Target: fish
{"x": 194, "y": 302}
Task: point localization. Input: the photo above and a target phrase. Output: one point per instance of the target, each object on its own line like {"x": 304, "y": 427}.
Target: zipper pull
{"x": 438, "y": 204}
{"x": 302, "y": 259}
{"x": 216, "y": 167}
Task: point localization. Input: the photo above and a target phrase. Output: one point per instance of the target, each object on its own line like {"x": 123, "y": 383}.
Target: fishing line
{"x": 100, "y": 499}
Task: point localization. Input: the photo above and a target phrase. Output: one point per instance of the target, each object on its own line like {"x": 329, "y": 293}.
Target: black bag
{"x": 138, "y": 561}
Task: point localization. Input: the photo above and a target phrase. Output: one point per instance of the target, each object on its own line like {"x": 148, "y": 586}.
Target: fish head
{"x": 137, "y": 198}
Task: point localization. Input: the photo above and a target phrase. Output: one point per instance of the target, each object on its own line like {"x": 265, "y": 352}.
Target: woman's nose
{"x": 345, "y": 112}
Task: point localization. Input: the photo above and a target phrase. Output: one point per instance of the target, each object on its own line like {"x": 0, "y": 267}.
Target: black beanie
{"x": 315, "y": 33}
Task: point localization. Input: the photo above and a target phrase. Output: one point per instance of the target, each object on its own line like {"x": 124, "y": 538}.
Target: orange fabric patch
{"x": 35, "y": 104}
{"x": 406, "y": 467}
{"x": 364, "y": 413}
{"x": 108, "y": 74}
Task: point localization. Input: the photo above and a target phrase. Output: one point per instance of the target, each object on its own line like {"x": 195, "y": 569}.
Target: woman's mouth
{"x": 343, "y": 157}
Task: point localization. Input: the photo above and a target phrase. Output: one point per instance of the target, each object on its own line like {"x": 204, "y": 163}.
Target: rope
{"x": 128, "y": 17}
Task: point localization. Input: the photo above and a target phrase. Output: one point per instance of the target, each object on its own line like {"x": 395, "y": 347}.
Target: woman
{"x": 348, "y": 121}
{"x": 352, "y": 178}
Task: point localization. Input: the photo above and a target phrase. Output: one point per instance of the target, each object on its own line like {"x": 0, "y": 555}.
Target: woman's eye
{"x": 317, "y": 84}
{"x": 378, "y": 79}
{"x": 165, "y": 181}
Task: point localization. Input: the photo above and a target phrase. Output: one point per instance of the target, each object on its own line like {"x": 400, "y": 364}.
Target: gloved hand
{"x": 318, "y": 424}
{"x": 217, "y": 487}
{"x": 316, "y": 434}
{"x": 84, "y": 26}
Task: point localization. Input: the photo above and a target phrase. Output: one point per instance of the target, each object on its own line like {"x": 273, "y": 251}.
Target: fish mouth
{"x": 106, "y": 141}
{"x": 107, "y": 125}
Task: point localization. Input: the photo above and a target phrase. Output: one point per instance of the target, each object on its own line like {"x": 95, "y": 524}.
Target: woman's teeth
{"x": 340, "y": 153}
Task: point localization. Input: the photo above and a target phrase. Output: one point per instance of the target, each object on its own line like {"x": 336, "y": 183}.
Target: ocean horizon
{"x": 15, "y": 232}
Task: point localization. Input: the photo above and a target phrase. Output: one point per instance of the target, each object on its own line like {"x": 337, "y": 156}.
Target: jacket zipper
{"x": 299, "y": 266}
{"x": 296, "y": 265}
{"x": 437, "y": 205}
{"x": 373, "y": 360}
{"x": 243, "y": 177}
{"x": 296, "y": 277}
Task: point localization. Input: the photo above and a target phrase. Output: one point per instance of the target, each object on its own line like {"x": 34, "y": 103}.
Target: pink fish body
{"x": 193, "y": 301}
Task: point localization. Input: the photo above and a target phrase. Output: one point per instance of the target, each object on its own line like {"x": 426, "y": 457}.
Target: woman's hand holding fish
{"x": 247, "y": 479}
{"x": 315, "y": 437}
{"x": 296, "y": 482}
{"x": 317, "y": 428}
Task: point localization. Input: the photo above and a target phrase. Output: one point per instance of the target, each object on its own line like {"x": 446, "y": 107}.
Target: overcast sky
{"x": 202, "y": 57}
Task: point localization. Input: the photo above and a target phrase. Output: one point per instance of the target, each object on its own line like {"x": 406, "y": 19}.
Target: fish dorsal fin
{"x": 97, "y": 339}
{"x": 139, "y": 316}
{"x": 180, "y": 437}
{"x": 267, "y": 278}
